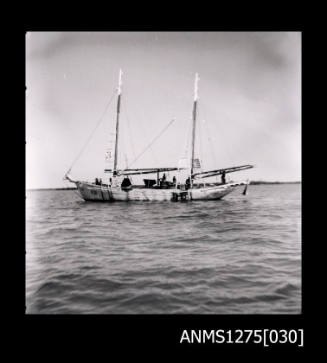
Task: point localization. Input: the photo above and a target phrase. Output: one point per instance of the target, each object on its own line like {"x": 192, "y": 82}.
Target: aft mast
{"x": 117, "y": 122}
{"x": 194, "y": 123}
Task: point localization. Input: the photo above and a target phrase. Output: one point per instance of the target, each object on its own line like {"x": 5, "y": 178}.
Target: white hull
{"x": 92, "y": 192}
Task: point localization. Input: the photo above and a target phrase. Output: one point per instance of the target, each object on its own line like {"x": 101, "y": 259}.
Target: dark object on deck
{"x": 126, "y": 185}
{"x": 163, "y": 185}
{"x": 174, "y": 180}
{"x": 149, "y": 182}
{"x": 188, "y": 183}
{"x": 162, "y": 181}
{"x": 98, "y": 181}
{"x": 223, "y": 177}
{"x": 166, "y": 184}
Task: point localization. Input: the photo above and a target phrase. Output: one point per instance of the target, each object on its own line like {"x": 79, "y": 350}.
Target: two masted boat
{"x": 119, "y": 186}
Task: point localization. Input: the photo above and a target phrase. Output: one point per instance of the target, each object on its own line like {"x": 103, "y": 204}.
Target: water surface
{"x": 240, "y": 255}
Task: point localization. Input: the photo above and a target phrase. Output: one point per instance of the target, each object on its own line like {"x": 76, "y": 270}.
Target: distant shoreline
{"x": 254, "y": 182}
{"x": 40, "y": 189}
{"x": 258, "y": 182}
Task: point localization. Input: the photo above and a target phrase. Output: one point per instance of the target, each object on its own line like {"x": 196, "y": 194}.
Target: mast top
{"x": 120, "y": 81}
{"x": 196, "y": 86}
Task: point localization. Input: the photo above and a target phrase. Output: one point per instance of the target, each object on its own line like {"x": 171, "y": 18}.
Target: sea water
{"x": 238, "y": 255}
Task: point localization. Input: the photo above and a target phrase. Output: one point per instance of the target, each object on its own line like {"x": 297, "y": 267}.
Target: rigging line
{"x": 156, "y": 138}
{"x": 145, "y": 132}
{"x": 130, "y": 133}
{"x": 210, "y": 143}
{"x": 125, "y": 145}
{"x": 209, "y": 133}
{"x": 96, "y": 127}
{"x": 200, "y": 152}
{"x": 185, "y": 151}
{"x": 212, "y": 151}
{"x": 128, "y": 124}
{"x": 187, "y": 141}
{"x": 74, "y": 190}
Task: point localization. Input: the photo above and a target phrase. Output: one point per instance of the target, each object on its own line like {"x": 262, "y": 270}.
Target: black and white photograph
{"x": 163, "y": 172}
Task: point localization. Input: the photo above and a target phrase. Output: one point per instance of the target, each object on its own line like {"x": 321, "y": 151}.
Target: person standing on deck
{"x": 188, "y": 183}
{"x": 223, "y": 177}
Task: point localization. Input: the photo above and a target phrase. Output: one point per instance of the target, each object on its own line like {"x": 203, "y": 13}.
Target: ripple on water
{"x": 234, "y": 256}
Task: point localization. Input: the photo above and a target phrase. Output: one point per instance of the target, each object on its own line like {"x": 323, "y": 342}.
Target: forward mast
{"x": 194, "y": 112}
{"x": 117, "y": 122}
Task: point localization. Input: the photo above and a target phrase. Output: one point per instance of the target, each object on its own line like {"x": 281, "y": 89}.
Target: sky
{"x": 249, "y": 108}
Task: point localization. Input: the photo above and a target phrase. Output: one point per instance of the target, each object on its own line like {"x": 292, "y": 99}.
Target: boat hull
{"x": 92, "y": 192}
{"x": 210, "y": 193}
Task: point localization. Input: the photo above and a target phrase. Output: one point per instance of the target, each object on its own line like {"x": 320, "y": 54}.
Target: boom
{"x": 207, "y": 174}
{"x": 141, "y": 171}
